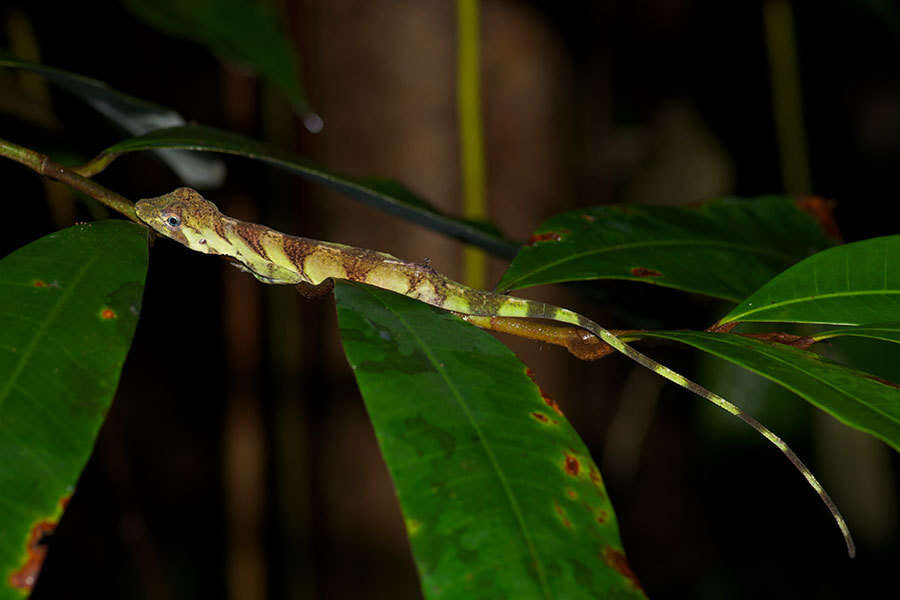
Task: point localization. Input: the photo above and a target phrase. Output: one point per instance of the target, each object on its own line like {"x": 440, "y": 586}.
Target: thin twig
{"x": 96, "y": 164}
{"x": 41, "y": 164}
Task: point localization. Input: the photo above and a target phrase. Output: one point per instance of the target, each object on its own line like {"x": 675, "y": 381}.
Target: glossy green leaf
{"x": 69, "y": 303}
{"x": 873, "y": 356}
{"x": 389, "y": 196}
{"x": 500, "y": 496}
{"x": 238, "y": 30}
{"x": 853, "y": 397}
{"x": 726, "y": 248}
{"x": 888, "y": 332}
{"x": 133, "y": 115}
{"x": 853, "y": 284}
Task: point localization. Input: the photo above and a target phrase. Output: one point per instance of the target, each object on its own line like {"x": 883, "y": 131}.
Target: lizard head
{"x": 183, "y": 215}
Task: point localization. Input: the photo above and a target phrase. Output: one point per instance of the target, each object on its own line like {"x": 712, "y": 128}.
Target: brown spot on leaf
{"x": 588, "y": 218}
{"x": 547, "y": 400}
{"x": 616, "y": 559}
{"x": 544, "y": 237}
{"x": 107, "y": 313}
{"x": 39, "y": 283}
{"x": 36, "y": 548}
{"x": 552, "y": 404}
{"x": 597, "y": 481}
{"x": 562, "y": 515}
{"x": 822, "y": 210}
{"x": 572, "y": 494}
{"x": 572, "y": 466}
{"x": 549, "y": 236}
{"x": 539, "y": 416}
{"x": 602, "y": 517}
{"x": 645, "y": 272}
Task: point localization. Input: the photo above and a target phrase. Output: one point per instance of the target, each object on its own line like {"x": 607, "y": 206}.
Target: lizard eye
{"x": 173, "y": 221}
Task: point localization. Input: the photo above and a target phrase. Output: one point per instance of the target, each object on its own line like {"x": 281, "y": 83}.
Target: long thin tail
{"x": 561, "y": 314}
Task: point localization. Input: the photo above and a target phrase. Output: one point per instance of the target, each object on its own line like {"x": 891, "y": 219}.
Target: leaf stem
{"x": 471, "y": 133}
{"x": 96, "y": 164}
{"x": 786, "y": 98}
{"x": 41, "y": 164}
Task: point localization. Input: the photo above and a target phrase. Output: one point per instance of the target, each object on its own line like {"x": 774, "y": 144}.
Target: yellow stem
{"x": 471, "y": 134}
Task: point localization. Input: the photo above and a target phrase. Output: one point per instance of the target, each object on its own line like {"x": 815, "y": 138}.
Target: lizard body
{"x": 274, "y": 257}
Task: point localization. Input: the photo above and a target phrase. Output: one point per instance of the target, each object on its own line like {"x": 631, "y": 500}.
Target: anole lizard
{"x": 274, "y": 257}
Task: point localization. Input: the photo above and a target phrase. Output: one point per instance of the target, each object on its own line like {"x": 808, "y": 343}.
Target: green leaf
{"x": 389, "y": 196}
{"x": 243, "y": 31}
{"x": 725, "y": 248}
{"x": 853, "y": 397}
{"x": 133, "y": 115}
{"x": 69, "y": 303}
{"x": 888, "y": 332}
{"x": 853, "y": 284}
{"x": 500, "y": 496}
{"x": 873, "y": 356}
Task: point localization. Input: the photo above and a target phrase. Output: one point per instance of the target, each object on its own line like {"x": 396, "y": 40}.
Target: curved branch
{"x": 41, "y": 164}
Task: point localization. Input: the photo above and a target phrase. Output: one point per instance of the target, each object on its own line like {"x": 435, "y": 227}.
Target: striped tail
{"x": 546, "y": 311}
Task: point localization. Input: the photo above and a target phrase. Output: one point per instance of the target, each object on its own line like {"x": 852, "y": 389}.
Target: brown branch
{"x": 41, "y": 164}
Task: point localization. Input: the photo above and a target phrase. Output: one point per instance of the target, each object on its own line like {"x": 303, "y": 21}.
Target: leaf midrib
{"x": 43, "y": 328}
{"x": 790, "y": 301}
{"x": 606, "y": 249}
{"x": 517, "y": 511}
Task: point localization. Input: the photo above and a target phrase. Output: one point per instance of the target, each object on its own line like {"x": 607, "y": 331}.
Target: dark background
{"x": 237, "y": 459}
